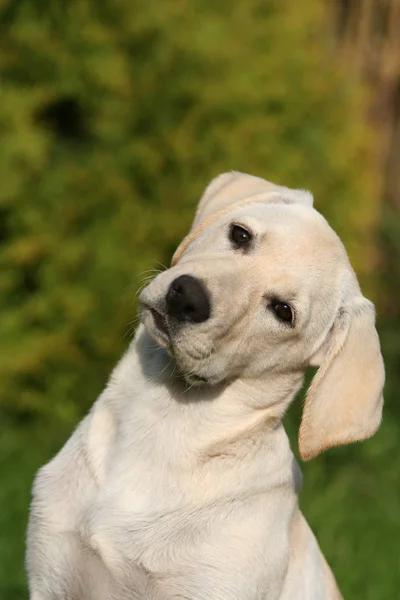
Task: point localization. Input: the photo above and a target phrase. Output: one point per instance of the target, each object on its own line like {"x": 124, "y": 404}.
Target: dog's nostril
{"x": 176, "y": 287}
{"x": 187, "y": 300}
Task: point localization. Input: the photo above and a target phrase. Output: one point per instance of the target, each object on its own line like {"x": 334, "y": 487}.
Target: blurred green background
{"x": 114, "y": 116}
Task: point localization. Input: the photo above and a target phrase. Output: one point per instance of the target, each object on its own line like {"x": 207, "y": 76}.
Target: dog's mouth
{"x": 160, "y": 321}
{"x": 193, "y": 380}
{"x": 157, "y": 324}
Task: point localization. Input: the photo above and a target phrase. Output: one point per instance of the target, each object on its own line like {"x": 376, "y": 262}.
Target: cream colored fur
{"x": 175, "y": 488}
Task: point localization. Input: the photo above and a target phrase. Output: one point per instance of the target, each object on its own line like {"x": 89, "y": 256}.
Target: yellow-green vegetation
{"x": 114, "y": 115}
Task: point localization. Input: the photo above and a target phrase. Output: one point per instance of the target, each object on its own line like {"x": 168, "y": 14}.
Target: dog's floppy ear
{"x": 231, "y": 187}
{"x": 344, "y": 402}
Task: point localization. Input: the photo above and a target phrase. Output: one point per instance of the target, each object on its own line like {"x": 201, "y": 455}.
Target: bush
{"x": 114, "y": 116}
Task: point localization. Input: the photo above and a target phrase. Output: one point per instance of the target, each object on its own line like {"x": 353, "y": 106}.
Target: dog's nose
{"x": 187, "y": 300}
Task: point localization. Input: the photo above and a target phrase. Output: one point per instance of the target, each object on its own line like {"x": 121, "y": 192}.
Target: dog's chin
{"x": 195, "y": 375}
{"x": 194, "y": 380}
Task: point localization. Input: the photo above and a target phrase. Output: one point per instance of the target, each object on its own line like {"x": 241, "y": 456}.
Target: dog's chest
{"x": 149, "y": 537}
{"x": 156, "y": 516}
{"x": 161, "y": 508}
{"x": 143, "y": 514}
{"x": 172, "y": 541}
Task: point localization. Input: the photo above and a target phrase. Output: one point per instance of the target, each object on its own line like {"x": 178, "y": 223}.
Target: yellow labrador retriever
{"x": 180, "y": 483}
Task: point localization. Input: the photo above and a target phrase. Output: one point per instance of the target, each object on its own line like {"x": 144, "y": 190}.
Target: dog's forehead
{"x": 291, "y": 225}
{"x": 290, "y": 235}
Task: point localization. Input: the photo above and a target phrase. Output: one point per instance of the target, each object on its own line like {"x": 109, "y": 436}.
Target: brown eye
{"x": 240, "y": 236}
{"x": 283, "y": 311}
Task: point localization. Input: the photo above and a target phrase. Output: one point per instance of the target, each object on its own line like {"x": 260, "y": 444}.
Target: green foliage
{"x": 114, "y": 116}
{"x": 111, "y": 128}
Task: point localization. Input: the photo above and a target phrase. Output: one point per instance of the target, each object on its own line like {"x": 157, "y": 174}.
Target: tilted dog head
{"x": 262, "y": 284}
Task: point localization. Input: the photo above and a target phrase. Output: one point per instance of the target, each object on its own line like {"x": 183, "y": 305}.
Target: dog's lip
{"x": 156, "y": 324}
{"x": 195, "y": 380}
{"x": 160, "y": 320}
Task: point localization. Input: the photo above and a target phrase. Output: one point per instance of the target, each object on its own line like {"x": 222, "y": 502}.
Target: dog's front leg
{"x": 239, "y": 564}
{"x": 230, "y": 584}
{"x": 57, "y": 559}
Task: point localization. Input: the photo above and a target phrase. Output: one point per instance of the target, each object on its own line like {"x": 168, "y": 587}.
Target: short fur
{"x": 180, "y": 482}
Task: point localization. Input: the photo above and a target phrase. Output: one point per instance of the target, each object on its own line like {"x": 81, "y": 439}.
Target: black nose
{"x": 187, "y": 300}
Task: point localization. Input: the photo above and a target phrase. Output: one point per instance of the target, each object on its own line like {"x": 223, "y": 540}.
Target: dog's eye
{"x": 240, "y": 236}
{"x": 283, "y": 311}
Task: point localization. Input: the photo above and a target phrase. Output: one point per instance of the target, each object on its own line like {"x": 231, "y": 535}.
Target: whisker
{"x": 163, "y": 266}
{"x": 167, "y": 365}
{"x": 141, "y": 287}
{"x": 193, "y": 384}
{"x": 131, "y": 327}
{"x": 139, "y": 276}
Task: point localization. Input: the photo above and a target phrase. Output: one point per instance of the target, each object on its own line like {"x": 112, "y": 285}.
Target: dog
{"x": 180, "y": 482}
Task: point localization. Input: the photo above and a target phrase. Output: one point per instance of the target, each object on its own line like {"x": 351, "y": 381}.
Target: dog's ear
{"x": 232, "y": 187}
{"x": 344, "y": 402}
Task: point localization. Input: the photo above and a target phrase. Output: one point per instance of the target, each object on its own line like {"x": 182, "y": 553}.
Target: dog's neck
{"x": 209, "y": 415}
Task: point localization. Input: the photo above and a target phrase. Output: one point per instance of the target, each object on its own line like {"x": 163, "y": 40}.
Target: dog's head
{"x": 263, "y": 285}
